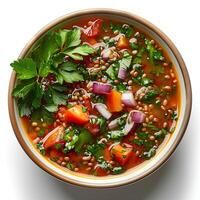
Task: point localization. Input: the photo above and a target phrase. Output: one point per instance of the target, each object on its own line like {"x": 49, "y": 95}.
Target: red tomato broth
{"x": 76, "y": 162}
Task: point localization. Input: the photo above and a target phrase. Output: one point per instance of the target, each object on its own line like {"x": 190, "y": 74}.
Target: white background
{"x": 21, "y": 179}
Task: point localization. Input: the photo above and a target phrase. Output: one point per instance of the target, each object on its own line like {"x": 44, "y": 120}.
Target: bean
{"x": 90, "y": 164}
{"x": 116, "y": 81}
{"x": 132, "y": 72}
{"x": 92, "y": 159}
{"x": 63, "y": 163}
{"x": 130, "y": 82}
{"x": 167, "y": 77}
{"x": 103, "y": 67}
{"x": 102, "y": 62}
{"x": 44, "y": 124}
{"x": 164, "y": 124}
{"x": 64, "y": 124}
{"x": 134, "y": 52}
{"x": 144, "y": 124}
{"x": 152, "y": 137}
{"x": 86, "y": 158}
{"x": 152, "y": 42}
{"x": 59, "y": 161}
{"x": 145, "y": 107}
{"x": 129, "y": 87}
{"x": 167, "y": 87}
{"x": 135, "y": 74}
{"x": 172, "y": 75}
{"x": 165, "y": 64}
{"x": 37, "y": 128}
{"x": 104, "y": 80}
{"x": 162, "y": 107}
{"x": 76, "y": 169}
{"x": 66, "y": 158}
{"x": 137, "y": 153}
{"x": 34, "y": 124}
{"x": 151, "y": 117}
{"x": 155, "y": 119}
{"x": 144, "y": 75}
{"x": 165, "y": 102}
{"x": 88, "y": 169}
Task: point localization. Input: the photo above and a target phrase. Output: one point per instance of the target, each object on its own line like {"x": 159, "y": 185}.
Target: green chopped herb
{"x": 70, "y": 166}
{"x": 41, "y": 148}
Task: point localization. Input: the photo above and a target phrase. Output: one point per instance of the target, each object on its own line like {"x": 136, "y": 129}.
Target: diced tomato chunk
{"x": 54, "y": 153}
{"x": 53, "y": 137}
{"x": 122, "y": 43}
{"x": 93, "y": 128}
{"x": 100, "y": 172}
{"x": 77, "y": 115}
{"x": 121, "y": 154}
{"x": 92, "y": 41}
{"x": 107, "y": 155}
{"x": 94, "y": 29}
{"x": 114, "y": 101}
{"x": 33, "y": 135}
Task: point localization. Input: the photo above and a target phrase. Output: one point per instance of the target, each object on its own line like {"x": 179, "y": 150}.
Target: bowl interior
{"x": 168, "y": 144}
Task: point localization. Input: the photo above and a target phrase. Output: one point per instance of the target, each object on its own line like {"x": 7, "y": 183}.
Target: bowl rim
{"x": 115, "y": 12}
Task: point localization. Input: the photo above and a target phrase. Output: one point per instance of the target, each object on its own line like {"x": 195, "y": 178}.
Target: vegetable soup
{"x": 97, "y": 96}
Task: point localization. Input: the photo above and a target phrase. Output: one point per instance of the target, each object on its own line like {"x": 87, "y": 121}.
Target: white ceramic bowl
{"x": 169, "y": 144}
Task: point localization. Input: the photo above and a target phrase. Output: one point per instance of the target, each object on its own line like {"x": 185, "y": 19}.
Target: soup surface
{"x": 97, "y": 96}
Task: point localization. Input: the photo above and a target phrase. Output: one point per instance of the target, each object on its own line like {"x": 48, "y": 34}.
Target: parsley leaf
{"x": 125, "y": 62}
{"x": 157, "y": 70}
{"x": 23, "y": 88}
{"x": 84, "y": 138}
{"x": 38, "y": 93}
{"x": 71, "y": 77}
{"x": 138, "y": 58}
{"x": 125, "y": 29}
{"x": 24, "y": 107}
{"x": 154, "y": 54}
{"x": 48, "y": 45}
{"x": 73, "y": 38}
{"x": 150, "y": 96}
{"x": 112, "y": 71}
{"x": 42, "y": 115}
{"x": 80, "y": 51}
{"x": 25, "y": 68}
{"x": 146, "y": 81}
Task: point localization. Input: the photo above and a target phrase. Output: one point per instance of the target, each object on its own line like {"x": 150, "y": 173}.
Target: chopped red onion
{"x": 59, "y": 129}
{"x": 92, "y": 116}
{"x": 133, "y": 118}
{"x": 128, "y": 127}
{"x": 102, "y": 109}
{"x": 101, "y": 88}
{"x": 113, "y": 124}
{"x": 106, "y": 53}
{"x": 122, "y": 73}
{"x": 128, "y": 99}
{"x": 137, "y": 116}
